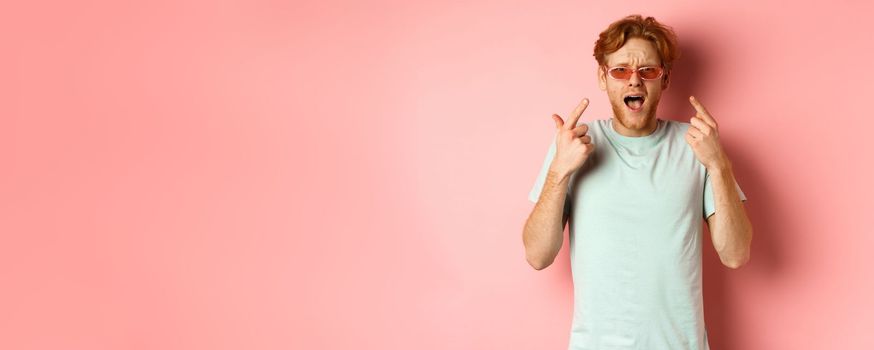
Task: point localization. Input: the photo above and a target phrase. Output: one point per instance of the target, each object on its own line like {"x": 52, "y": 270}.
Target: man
{"x": 634, "y": 189}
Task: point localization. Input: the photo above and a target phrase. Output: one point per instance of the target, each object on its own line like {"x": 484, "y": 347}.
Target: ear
{"x": 666, "y": 81}
{"x": 602, "y": 78}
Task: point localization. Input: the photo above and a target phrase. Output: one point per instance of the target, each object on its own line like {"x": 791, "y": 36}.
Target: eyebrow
{"x": 650, "y": 64}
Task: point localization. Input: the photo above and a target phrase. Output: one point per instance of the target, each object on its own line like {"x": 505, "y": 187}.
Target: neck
{"x": 622, "y": 130}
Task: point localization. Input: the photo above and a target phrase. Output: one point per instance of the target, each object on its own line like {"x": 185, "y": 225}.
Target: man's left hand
{"x": 703, "y": 136}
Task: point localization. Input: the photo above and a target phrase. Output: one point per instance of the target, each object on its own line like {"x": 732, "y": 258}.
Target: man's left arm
{"x": 730, "y": 228}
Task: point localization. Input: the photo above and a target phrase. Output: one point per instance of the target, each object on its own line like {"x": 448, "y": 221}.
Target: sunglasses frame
{"x": 610, "y": 69}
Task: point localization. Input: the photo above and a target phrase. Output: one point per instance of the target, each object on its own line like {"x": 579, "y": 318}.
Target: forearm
{"x": 544, "y": 229}
{"x": 731, "y": 230}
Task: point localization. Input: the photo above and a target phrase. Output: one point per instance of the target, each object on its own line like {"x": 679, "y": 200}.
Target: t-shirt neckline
{"x": 647, "y": 139}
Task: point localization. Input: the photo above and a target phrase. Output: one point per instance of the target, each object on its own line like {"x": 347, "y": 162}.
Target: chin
{"x": 636, "y": 121}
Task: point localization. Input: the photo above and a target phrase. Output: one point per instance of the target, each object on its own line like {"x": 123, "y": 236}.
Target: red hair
{"x": 635, "y": 26}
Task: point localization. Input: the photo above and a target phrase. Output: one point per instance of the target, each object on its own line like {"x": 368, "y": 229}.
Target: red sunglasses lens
{"x": 650, "y": 72}
{"x": 620, "y": 73}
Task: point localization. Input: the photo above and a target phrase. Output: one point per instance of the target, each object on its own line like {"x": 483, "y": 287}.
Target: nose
{"x": 634, "y": 80}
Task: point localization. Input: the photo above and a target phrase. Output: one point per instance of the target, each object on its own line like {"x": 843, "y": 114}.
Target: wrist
{"x": 722, "y": 168}
{"x": 559, "y": 175}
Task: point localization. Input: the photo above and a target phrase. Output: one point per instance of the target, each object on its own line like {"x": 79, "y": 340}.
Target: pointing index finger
{"x": 575, "y": 116}
{"x": 705, "y": 115}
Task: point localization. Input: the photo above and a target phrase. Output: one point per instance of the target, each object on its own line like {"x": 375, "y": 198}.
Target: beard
{"x": 634, "y": 121}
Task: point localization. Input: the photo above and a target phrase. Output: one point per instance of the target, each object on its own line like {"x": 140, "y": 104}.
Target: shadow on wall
{"x": 683, "y": 83}
{"x": 689, "y": 78}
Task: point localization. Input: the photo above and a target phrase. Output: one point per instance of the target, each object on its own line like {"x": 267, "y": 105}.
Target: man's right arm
{"x": 544, "y": 230}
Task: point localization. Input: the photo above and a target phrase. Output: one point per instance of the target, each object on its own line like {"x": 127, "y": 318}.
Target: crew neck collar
{"x": 650, "y": 139}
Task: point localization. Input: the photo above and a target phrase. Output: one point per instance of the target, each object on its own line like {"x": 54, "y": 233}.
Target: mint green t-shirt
{"x": 637, "y": 208}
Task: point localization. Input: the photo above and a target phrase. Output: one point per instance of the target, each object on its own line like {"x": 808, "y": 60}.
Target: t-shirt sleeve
{"x": 534, "y": 194}
{"x": 709, "y": 205}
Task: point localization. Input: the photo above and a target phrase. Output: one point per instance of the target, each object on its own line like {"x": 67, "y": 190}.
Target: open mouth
{"x": 634, "y": 102}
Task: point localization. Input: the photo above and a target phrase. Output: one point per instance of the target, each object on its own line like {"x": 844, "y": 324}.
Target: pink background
{"x": 348, "y": 175}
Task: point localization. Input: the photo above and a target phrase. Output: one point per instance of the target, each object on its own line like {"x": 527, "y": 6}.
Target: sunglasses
{"x": 645, "y": 73}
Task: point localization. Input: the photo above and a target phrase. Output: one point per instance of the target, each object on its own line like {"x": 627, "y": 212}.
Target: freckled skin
{"x": 635, "y": 53}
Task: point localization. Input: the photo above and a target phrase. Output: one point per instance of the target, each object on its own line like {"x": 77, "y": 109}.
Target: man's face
{"x": 636, "y": 53}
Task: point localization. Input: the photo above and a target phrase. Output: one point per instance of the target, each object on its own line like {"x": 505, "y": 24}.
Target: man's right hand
{"x": 572, "y": 144}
